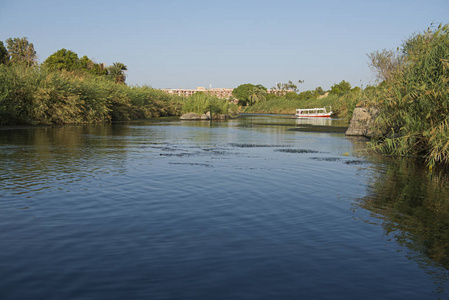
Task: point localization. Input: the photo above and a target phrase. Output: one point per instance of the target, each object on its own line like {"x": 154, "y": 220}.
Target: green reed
{"x": 414, "y": 103}
{"x": 202, "y": 103}
{"x": 35, "y": 95}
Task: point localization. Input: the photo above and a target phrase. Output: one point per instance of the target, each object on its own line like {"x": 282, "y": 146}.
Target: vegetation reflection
{"x": 414, "y": 208}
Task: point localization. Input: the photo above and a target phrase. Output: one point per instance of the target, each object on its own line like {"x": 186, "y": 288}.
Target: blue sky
{"x": 174, "y": 43}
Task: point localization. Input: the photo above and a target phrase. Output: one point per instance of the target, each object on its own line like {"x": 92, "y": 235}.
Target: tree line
{"x": 21, "y": 51}
{"x": 68, "y": 89}
{"x": 286, "y": 98}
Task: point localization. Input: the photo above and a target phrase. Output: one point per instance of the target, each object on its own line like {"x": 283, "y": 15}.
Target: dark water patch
{"x": 355, "y": 162}
{"x": 192, "y": 164}
{"x": 217, "y": 152}
{"x": 163, "y": 147}
{"x": 272, "y": 124}
{"x": 239, "y": 145}
{"x": 319, "y": 128}
{"x": 178, "y": 154}
{"x": 168, "y": 149}
{"x": 326, "y": 158}
{"x": 300, "y": 151}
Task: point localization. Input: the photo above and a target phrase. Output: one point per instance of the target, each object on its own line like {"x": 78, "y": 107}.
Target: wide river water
{"x": 259, "y": 207}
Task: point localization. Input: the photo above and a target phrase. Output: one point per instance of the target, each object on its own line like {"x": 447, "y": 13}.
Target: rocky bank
{"x": 362, "y": 122}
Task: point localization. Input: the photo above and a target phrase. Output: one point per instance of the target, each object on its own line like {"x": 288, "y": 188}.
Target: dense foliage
{"x": 66, "y": 89}
{"x": 248, "y": 93}
{"x": 37, "y": 95}
{"x": 201, "y": 103}
{"x": 414, "y": 98}
{"x": 342, "y": 104}
{"x": 20, "y": 50}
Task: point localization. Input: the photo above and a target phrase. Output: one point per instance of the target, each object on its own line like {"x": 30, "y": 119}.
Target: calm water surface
{"x": 260, "y": 207}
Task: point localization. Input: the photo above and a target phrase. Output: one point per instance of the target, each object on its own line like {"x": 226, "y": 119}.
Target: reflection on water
{"x": 37, "y": 159}
{"x": 259, "y": 207}
{"x": 315, "y": 121}
{"x": 412, "y": 206}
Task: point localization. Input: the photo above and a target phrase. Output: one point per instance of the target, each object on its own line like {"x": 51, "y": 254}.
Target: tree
{"x": 283, "y": 88}
{"x": 385, "y": 63}
{"x": 319, "y": 91}
{"x": 62, "y": 59}
{"x": 4, "y": 57}
{"x": 21, "y": 51}
{"x": 244, "y": 91}
{"x": 116, "y": 71}
{"x": 341, "y": 87}
{"x": 86, "y": 64}
{"x": 257, "y": 94}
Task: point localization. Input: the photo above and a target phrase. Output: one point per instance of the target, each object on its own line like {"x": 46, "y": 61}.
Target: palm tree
{"x": 257, "y": 95}
{"x": 117, "y": 72}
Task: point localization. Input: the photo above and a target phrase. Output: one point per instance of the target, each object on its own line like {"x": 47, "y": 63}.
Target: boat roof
{"x": 311, "y": 109}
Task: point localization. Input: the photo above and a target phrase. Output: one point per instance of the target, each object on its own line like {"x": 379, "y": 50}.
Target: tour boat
{"x": 313, "y": 112}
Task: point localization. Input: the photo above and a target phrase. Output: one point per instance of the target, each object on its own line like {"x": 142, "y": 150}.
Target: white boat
{"x": 313, "y": 112}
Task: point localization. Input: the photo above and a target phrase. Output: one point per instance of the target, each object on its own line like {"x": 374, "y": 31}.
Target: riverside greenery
{"x": 201, "y": 103}
{"x": 38, "y": 95}
{"x": 342, "y": 103}
{"x": 413, "y": 99}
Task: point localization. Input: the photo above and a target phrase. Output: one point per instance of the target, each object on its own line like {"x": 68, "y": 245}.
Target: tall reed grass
{"x": 35, "y": 95}
{"x": 414, "y": 103}
{"x": 201, "y": 103}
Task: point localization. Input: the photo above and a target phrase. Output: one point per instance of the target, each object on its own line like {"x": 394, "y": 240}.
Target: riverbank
{"x": 34, "y": 95}
{"x": 342, "y": 104}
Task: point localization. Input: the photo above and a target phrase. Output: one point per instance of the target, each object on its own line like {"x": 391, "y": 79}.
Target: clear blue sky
{"x": 190, "y": 43}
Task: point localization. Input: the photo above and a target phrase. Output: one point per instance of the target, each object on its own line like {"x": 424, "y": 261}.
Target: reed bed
{"x": 414, "y": 103}
{"x": 202, "y": 103}
{"x": 35, "y": 95}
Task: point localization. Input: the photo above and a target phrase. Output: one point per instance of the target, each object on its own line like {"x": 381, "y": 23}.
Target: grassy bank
{"x": 35, "y": 95}
{"x": 342, "y": 104}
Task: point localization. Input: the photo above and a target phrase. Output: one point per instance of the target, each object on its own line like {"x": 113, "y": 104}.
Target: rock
{"x": 206, "y": 116}
{"x": 190, "y": 116}
{"x": 362, "y": 122}
{"x": 220, "y": 117}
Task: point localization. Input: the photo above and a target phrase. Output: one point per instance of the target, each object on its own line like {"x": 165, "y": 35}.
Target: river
{"x": 259, "y": 207}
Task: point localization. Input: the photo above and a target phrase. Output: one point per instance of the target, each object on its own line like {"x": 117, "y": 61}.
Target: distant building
{"x": 222, "y": 93}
